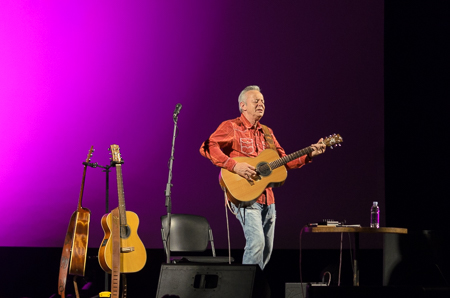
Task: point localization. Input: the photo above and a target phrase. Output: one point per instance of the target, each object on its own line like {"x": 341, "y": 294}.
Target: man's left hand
{"x": 318, "y": 148}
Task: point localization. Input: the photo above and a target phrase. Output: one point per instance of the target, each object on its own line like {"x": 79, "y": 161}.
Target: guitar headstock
{"x": 88, "y": 159}
{"x": 333, "y": 140}
{"x": 115, "y": 152}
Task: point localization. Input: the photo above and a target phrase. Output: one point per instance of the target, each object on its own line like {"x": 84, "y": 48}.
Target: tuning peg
{"x": 339, "y": 144}
{"x": 331, "y": 147}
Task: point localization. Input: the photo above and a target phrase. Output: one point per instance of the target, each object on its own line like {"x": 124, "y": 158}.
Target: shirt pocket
{"x": 247, "y": 145}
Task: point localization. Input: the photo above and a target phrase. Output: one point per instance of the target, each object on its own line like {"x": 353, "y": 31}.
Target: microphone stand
{"x": 169, "y": 185}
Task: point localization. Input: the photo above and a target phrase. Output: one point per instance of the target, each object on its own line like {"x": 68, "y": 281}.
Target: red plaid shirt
{"x": 237, "y": 137}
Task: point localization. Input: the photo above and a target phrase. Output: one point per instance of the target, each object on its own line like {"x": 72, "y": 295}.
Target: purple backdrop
{"x": 98, "y": 73}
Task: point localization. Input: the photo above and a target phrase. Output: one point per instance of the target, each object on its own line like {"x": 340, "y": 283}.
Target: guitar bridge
{"x": 126, "y": 249}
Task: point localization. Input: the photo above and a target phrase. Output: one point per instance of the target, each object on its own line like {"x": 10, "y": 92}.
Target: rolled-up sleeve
{"x": 219, "y": 142}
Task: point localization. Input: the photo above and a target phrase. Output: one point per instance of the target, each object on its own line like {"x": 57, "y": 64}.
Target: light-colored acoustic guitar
{"x": 133, "y": 255}
{"x": 270, "y": 173}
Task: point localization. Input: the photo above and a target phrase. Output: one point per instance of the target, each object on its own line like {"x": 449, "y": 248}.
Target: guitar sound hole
{"x": 263, "y": 169}
{"x": 125, "y": 232}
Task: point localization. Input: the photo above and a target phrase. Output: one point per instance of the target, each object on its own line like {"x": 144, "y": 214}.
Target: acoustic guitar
{"x": 133, "y": 255}
{"x": 74, "y": 253}
{"x": 81, "y": 234}
{"x": 270, "y": 172}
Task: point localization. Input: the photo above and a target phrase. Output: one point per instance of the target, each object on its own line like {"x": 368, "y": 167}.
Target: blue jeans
{"x": 258, "y": 223}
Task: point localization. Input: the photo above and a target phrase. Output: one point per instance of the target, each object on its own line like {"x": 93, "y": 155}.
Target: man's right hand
{"x": 244, "y": 170}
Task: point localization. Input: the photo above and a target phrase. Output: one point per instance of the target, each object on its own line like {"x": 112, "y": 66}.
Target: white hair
{"x": 243, "y": 98}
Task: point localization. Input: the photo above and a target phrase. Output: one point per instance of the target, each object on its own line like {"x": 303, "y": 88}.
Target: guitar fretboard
{"x": 122, "y": 209}
{"x": 284, "y": 160}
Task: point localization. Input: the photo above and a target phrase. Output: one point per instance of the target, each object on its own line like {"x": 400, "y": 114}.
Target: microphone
{"x": 177, "y": 110}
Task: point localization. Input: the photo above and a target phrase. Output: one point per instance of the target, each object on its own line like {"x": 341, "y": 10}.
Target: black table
{"x": 356, "y": 230}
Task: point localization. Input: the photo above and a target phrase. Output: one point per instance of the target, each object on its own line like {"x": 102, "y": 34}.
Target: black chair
{"x": 189, "y": 233}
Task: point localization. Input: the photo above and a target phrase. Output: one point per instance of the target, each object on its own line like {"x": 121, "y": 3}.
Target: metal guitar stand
{"x": 106, "y": 170}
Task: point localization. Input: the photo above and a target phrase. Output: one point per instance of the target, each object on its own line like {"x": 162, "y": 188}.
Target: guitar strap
{"x": 115, "y": 276}
{"x": 65, "y": 256}
{"x": 268, "y": 137}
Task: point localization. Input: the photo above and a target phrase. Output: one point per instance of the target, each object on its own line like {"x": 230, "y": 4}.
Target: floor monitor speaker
{"x": 211, "y": 281}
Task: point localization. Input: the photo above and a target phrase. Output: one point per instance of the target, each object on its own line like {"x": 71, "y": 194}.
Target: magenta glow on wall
{"x": 98, "y": 73}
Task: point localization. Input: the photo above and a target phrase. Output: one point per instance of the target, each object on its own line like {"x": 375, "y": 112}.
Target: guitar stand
{"x": 123, "y": 279}
{"x": 106, "y": 170}
{"x": 75, "y": 285}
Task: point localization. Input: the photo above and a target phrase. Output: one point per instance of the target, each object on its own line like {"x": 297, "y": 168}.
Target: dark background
{"x": 416, "y": 114}
{"x": 100, "y": 73}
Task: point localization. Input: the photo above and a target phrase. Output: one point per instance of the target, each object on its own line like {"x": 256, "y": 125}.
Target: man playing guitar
{"x": 246, "y": 137}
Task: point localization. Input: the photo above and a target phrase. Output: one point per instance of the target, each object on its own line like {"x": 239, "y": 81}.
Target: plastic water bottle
{"x": 375, "y": 215}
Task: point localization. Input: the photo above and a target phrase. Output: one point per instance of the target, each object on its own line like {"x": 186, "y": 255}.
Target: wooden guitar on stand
{"x": 270, "y": 173}
{"x": 76, "y": 242}
{"x": 121, "y": 242}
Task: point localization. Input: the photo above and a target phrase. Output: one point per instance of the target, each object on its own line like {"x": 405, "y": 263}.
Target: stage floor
{"x": 33, "y": 271}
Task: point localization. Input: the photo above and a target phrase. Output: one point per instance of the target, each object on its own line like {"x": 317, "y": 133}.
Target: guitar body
{"x": 65, "y": 256}
{"x": 240, "y": 190}
{"x": 133, "y": 254}
{"x": 80, "y": 242}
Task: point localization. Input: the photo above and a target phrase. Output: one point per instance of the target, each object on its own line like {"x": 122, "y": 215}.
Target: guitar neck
{"x": 122, "y": 209}
{"x": 284, "y": 160}
{"x": 84, "y": 178}
{"x": 82, "y": 188}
